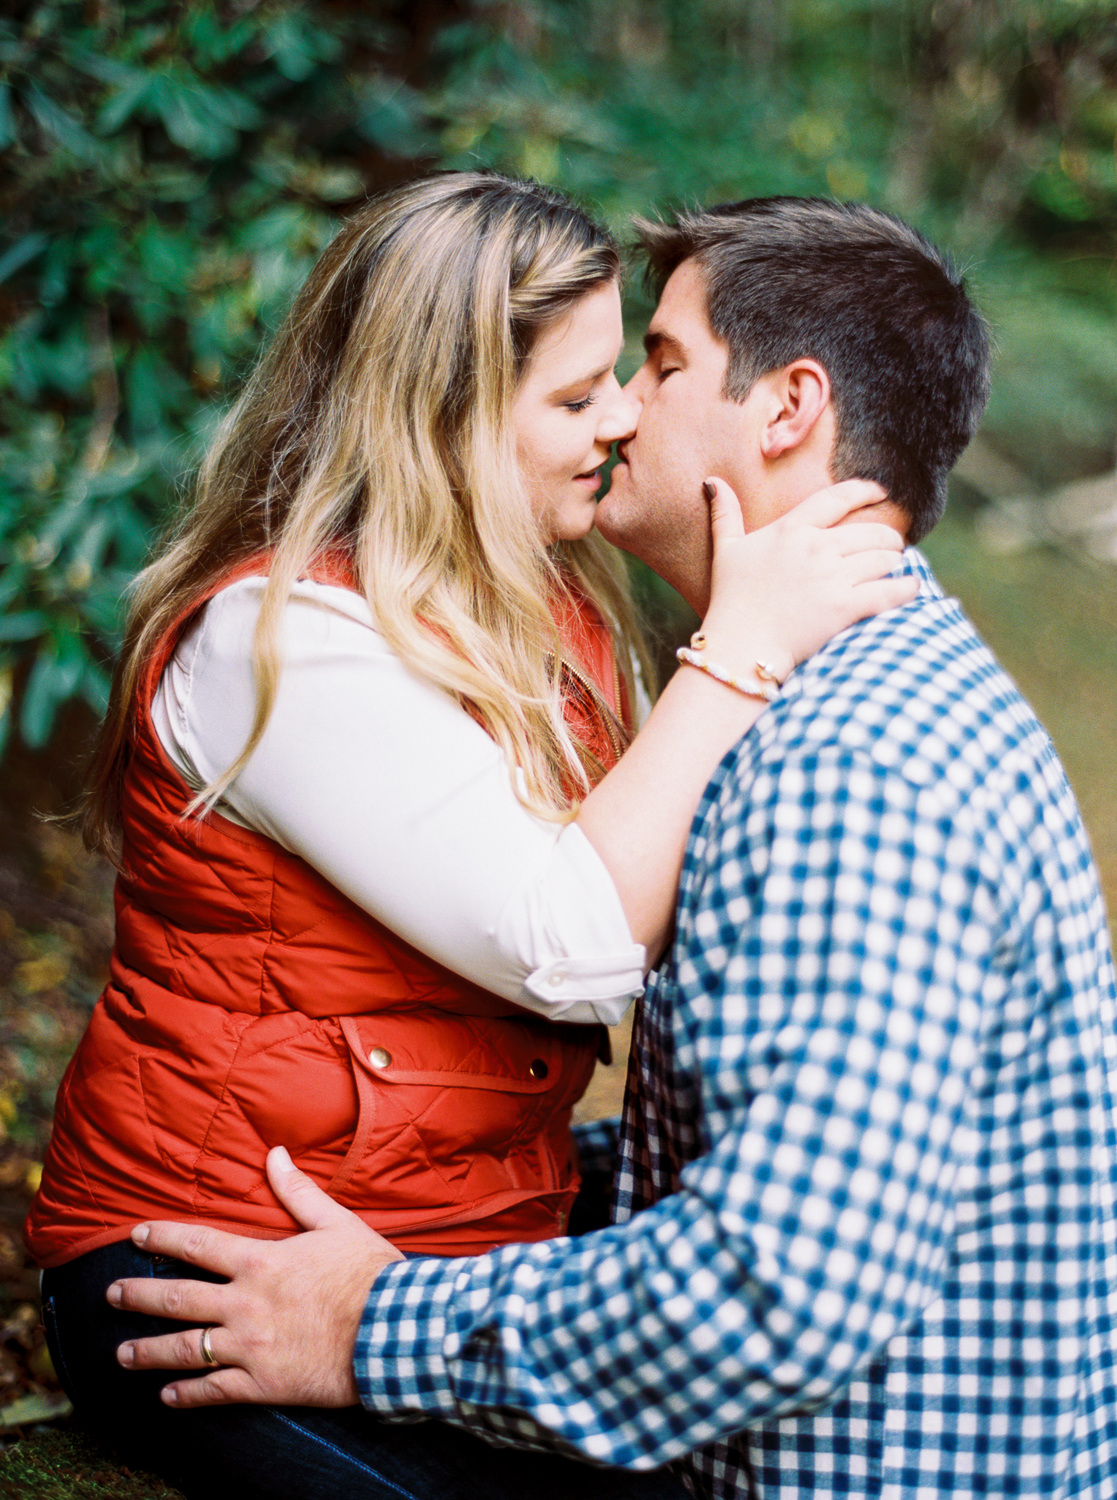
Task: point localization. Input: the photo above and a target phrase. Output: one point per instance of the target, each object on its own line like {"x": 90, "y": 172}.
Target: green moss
{"x": 64, "y": 1463}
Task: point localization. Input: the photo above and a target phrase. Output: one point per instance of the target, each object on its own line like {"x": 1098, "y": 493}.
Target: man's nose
{"x": 636, "y": 387}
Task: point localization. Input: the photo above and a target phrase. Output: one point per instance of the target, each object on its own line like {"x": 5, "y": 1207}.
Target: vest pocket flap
{"x": 449, "y": 1051}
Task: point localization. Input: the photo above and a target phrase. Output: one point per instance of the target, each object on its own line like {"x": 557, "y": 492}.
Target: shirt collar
{"x": 913, "y": 562}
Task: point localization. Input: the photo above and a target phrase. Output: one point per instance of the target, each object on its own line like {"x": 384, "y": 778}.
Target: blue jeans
{"x": 282, "y": 1453}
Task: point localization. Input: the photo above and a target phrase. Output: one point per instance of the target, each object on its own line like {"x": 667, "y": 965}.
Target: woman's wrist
{"x": 762, "y": 683}
{"x": 745, "y": 651}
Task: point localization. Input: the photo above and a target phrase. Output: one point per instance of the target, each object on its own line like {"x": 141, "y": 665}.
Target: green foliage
{"x": 1051, "y": 618}
{"x": 173, "y": 170}
{"x": 172, "y": 173}
{"x": 992, "y": 124}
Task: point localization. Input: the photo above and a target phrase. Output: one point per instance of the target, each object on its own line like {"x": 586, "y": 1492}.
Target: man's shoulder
{"x": 914, "y": 692}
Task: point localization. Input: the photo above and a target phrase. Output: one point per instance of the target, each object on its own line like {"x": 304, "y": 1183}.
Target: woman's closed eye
{"x": 581, "y": 405}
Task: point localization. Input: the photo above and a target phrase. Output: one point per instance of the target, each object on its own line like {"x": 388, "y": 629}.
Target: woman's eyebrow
{"x": 587, "y": 379}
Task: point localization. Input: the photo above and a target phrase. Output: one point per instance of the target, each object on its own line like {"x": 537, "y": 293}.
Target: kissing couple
{"x": 398, "y": 836}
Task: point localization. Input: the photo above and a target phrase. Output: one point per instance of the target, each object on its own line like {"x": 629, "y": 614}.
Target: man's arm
{"x": 831, "y": 959}
{"x": 835, "y": 943}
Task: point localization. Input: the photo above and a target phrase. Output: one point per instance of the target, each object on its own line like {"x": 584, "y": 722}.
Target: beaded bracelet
{"x": 767, "y": 688}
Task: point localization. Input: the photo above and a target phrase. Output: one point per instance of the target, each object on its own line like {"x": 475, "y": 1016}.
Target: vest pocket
{"x": 457, "y": 1110}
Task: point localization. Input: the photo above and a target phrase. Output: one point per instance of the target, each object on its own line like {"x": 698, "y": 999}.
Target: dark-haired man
{"x": 868, "y": 1239}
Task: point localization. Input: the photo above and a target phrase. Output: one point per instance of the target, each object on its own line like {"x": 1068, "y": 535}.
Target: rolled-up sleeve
{"x": 400, "y": 799}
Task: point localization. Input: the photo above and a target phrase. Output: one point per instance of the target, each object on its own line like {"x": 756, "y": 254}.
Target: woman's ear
{"x": 800, "y": 394}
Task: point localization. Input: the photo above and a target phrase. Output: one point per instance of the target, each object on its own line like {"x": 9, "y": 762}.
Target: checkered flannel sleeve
{"x": 838, "y": 932}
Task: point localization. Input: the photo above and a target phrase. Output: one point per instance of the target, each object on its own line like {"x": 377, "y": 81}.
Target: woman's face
{"x": 569, "y": 411}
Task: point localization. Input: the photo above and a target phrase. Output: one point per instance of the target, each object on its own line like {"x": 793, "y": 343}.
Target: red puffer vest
{"x": 250, "y": 1004}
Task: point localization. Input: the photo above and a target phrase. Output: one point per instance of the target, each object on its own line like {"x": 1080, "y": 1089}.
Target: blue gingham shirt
{"x": 868, "y": 1182}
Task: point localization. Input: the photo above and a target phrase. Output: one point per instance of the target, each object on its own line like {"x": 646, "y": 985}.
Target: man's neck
{"x": 885, "y": 513}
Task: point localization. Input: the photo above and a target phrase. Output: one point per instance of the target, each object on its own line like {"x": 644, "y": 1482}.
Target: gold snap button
{"x": 539, "y": 1068}
{"x": 380, "y": 1057}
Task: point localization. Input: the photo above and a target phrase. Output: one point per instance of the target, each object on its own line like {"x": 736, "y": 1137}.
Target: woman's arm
{"x": 777, "y": 595}
{"x": 400, "y": 799}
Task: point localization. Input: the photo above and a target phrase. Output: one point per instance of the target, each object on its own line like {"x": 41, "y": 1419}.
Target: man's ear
{"x": 800, "y": 394}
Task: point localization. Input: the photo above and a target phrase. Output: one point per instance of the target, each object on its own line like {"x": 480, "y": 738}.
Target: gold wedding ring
{"x": 208, "y": 1356}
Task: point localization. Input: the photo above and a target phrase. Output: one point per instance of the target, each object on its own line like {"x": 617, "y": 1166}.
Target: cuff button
{"x": 380, "y": 1057}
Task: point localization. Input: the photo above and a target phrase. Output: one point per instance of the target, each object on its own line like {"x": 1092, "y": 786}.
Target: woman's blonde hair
{"x": 376, "y": 429}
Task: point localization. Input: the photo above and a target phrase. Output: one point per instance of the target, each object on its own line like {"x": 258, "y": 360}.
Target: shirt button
{"x": 380, "y": 1057}
{"x": 558, "y": 977}
{"x": 539, "y": 1068}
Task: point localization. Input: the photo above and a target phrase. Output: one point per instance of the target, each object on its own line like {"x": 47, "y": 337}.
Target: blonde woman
{"x": 387, "y": 861}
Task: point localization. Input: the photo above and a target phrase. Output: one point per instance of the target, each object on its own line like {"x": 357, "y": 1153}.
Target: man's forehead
{"x": 681, "y": 322}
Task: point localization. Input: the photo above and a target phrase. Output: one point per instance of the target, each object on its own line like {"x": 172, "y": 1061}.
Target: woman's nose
{"x": 620, "y": 415}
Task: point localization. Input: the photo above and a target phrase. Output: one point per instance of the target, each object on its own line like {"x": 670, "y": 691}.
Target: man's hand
{"x": 284, "y": 1326}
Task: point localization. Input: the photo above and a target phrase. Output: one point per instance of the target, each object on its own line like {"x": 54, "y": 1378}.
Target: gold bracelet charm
{"x": 767, "y": 688}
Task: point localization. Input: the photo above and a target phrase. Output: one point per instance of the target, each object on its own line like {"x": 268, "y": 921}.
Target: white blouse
{"x": 388, "y": 788}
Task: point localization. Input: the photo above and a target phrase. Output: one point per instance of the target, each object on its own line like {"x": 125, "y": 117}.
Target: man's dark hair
{"x": 872, "y": 301}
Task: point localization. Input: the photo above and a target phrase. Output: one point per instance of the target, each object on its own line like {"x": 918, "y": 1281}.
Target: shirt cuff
{"x": 570, "y": 926}
{"x": 399, "y": 1358}
{"x": 587, "y": 989}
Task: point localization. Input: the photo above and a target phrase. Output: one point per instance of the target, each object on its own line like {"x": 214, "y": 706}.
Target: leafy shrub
{"x": 173, "y": 170}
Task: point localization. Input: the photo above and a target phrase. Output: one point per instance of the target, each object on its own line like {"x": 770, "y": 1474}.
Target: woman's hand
{"x": 282, "y": 1329}
{"x": 779, "y": 593}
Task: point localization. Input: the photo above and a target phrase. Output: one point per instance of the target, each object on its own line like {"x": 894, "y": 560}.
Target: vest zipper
{"x": 619, "y": 739}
